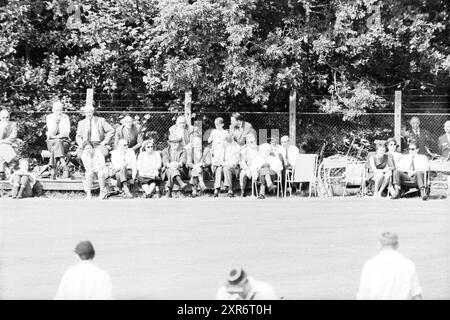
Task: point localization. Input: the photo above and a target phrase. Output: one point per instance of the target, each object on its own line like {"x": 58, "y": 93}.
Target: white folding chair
{"x": 304, "y": 171}
{"x": 442, "y": 178}
{"x": 279, "y": 184}
{"x": 288, "y": 176}
{"x": 332, "y": 171}
{"x": 354, "y": 175}
{"x": 255, "y": 192}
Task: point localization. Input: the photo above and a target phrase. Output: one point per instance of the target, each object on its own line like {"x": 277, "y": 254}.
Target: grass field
{"x": 183, "y": 248}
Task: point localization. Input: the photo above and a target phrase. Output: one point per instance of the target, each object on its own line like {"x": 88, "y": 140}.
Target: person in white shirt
{"x": 392, "y": 149}
{"x": 58, "y": 140}
{"x": 248, "y": 153}
{"x": 444, "y": 141}
{"x": 94, "y": 164}
{"x": 148, "y": 165}
{"x": 123, "y": 161}
{"x": 240, "y": 286}
{"x": 389, "y": 275}
{"x": 268, "y": 166}
{"x": 288, "y": 152}
{"x": 219, "y": 134}
{"x": 410, "y": 172}
{"x": 85, "y": 281}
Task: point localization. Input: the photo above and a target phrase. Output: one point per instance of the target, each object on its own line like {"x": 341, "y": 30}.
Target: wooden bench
{"x": 77, "y": 184}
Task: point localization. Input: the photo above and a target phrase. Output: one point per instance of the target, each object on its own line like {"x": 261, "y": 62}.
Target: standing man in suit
{"x": 239, "y": 129}
{"x": 131, "y": 132}
{"x": 174, "y": 164}
{"x": 8, "y": 141}
{"x": 444, "y": 141}
{"x": 183, "y": 131}
{"x": 419, "y": 135}
{"x": 95, "y": 130}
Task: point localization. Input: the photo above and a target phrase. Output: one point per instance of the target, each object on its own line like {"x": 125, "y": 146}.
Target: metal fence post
{"x": 188, "y": 105}
{"x": 90, "y": 97}
{"x": 398, "y": 117}
{"x": 292, "y": 117}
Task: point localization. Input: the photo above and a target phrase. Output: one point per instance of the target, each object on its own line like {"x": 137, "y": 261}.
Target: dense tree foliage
{"x": 233, "y": 54}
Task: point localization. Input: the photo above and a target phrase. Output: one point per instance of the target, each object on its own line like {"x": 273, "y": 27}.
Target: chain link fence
{"x": 316, "y": 132}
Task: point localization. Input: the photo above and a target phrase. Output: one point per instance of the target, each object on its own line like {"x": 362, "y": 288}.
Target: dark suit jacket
{"x": 444, "y": 146}
{"x": 10, "y": 133}
{"x": 180, "y": 156}
{"x": 238, "y": 134}
{"x": 105, "y": 131}
{"x": 134, "y": 140}
{"x": 423, "y": 140}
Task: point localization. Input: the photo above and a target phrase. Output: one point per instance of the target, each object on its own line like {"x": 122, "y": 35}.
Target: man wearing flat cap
{"x": 389, "y": 275}
{"x": 85, "y": 281}
{"x": 240, "y": 286}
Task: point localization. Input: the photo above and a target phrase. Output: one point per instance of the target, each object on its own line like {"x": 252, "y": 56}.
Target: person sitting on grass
{"x": 268, "y": 166}
{"x": 410, "y": 172}
{"x": 123, "y": 160}
{"x": 148, "y": 166}
{"x": 382, "y": 165}
{"x": 94, "y": 165}
{"x": 22, "y": 181}
{"x": 197, "y": 160}
{"x": 174, "y": 162}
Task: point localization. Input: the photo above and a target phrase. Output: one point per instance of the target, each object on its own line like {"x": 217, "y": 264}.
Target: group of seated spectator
{"x": 231, "y": 154}
{"x": 398, "y": 171}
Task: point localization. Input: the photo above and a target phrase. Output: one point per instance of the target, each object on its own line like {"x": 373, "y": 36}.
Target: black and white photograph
{"x": 224, "y": 150}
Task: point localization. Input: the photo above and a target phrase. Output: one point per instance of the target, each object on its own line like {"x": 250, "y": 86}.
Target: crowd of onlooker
{"x": 230, "y": 154}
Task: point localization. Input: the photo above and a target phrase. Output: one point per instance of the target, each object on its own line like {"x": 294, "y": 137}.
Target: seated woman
{"x": 381, "y": 164}
{"x": 123, "y": 160}
{"x": 267, "y": 165}
{"x": 94, "y": 164}
{"x": 8, "y": 142}
{"x": 22, "y": 181}
{"x": 197, "y": 161}
{"x": 148, "y": 166}
{"x": 392, "y": 149}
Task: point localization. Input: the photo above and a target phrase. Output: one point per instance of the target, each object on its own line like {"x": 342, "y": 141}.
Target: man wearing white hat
{"x": 389, "y": 275}
{"x": 85, "y": 281}
{"x": 240, "y": 286}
